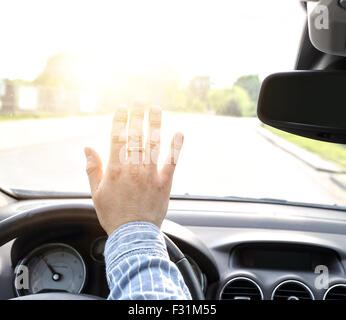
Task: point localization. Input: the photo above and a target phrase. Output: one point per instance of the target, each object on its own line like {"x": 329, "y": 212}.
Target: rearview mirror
{"x": 307, "y": 103}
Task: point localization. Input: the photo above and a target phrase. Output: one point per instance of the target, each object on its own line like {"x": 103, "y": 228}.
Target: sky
{"x": 223, "y": 39}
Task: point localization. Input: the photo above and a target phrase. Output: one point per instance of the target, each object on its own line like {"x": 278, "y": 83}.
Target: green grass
{"x": 329, "y": 151}
{"x": 25, "y": 116}
{"x": 42, "y": 115}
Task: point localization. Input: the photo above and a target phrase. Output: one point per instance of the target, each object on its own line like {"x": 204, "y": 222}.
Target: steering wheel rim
{"x": 16, "y": 225}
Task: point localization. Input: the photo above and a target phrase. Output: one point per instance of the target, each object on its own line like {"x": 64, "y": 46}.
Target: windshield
{"x": 65, "y": 66}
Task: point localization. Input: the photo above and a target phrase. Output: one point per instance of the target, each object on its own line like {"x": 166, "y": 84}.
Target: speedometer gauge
{"x": 54, "y": 267}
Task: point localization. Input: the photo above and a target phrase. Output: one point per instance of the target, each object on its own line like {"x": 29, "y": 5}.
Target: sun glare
{"x": 192, "y": 37}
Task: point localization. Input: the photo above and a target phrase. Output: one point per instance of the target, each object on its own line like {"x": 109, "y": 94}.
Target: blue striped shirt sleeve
{"x": 138, "y": 266}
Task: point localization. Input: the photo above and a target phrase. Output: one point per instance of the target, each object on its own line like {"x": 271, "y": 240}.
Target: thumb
{"x": 93, "y": 168}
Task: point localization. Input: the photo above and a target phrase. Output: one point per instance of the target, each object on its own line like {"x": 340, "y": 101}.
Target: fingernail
{"x": 155, "y": 109}
{"x": 180, "y": 136}
{"x": 121, "y": 113}
{"x": 155, "y": 114}
{"x": 179, "y": 139}
{"x": 87, "y": 152}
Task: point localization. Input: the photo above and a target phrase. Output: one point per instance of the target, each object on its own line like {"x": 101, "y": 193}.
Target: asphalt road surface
{"x": 222, "y": 156}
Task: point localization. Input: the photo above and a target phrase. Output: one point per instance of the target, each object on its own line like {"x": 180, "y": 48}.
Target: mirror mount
{"x": 327, "y": 25}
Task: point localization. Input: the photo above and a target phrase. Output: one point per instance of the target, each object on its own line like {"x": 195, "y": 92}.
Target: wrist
{"x": 119, "y": 229}
{"x": 134, "y": 238}
{"x": 110, "y": 228}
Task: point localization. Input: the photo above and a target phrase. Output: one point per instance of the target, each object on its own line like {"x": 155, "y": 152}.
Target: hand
{"x": 132, "y": 188}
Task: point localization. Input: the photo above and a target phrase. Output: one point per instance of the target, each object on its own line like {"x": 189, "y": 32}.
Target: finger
{"x": 152, "y": 148}
{"x": 118, "y": 135}
{"x": 172, "y": 159}
{"x": 135, "y": 134}
{"x": 93, "y": 168}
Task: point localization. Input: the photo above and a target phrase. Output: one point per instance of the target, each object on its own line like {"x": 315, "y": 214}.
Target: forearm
{"x": 138, "y": 265}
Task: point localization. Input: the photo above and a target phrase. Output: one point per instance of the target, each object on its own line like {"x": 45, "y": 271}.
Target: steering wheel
{"x": 18, "y": 224}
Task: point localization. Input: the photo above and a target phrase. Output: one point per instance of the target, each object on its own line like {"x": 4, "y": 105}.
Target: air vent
{"x": 336, "y": 292}
{"x": 241, "y": 289}
{"x": 292, "y": 290}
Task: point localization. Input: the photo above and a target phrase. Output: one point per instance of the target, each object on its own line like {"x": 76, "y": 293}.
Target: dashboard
{"x": 238, "y": 250}
{"x": 61, "y": 260}
{"x": 68, "y": 259}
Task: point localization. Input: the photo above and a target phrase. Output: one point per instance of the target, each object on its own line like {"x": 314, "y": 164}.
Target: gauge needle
{"x": 55, "y": 275}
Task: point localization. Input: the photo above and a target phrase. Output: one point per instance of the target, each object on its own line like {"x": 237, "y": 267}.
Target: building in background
{"x": 30, "y": 99}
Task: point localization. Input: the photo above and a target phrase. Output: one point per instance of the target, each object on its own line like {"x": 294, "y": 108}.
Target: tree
{"x": 198, "y": 91}
{"x": 240, "y": 99}
{"x": 61, "y": 70}
{"x": 250, "y": 83}
{"x": 199, "y": 87}
{"x": 219, "y": 98}
{"x": 233, "y": 101}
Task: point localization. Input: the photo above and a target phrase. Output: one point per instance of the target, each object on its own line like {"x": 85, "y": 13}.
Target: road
{"x": 221, "y": 156}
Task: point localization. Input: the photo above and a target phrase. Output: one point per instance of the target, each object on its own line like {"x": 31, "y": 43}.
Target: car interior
{"x": 227, "y": 248}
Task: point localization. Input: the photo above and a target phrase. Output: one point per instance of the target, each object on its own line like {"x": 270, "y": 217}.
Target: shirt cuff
{"x": 134, "y": 238}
